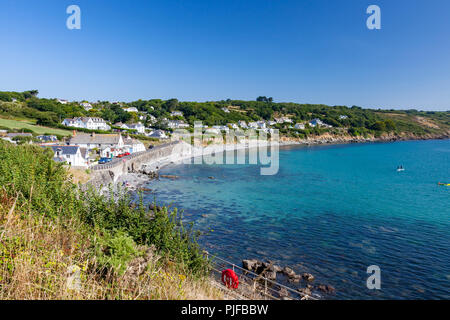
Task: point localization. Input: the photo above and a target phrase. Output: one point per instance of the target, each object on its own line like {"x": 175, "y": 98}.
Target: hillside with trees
{"x": 353, "y": 121}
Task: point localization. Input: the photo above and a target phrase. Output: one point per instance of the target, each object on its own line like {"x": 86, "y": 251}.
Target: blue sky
{"x": 307, "y": 51}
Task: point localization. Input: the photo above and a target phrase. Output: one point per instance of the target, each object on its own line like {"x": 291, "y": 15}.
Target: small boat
{"x": 400, "y": 168}
{"x": 444, "y": 184}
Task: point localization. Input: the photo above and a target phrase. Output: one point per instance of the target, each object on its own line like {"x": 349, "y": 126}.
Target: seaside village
{"x": 85, "y": 148}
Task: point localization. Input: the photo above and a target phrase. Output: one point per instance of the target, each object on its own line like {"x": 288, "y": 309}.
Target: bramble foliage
{"x": 41, "y": 185}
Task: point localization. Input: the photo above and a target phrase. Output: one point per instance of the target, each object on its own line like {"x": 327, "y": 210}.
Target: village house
{"x": 71, "y": 155}
{"x": 253, "y": 125}
{"x": 131, "y": 109}
{"x": 158, "y": 134}
{"x": 176, "y": 114}
{"x": 177, "y": 124}
{"x": 299, "y": 126}
{"x": 47, "y": 138}
{"x": 132, "y": 145}
{"x": 242, "y": 124}
{"x": 110, "y": 152}
{"x": 139, "y": 127}
{"x": 261, "y": 124}
{"x": 97, "y": 141}
{"x": 90, "y": 123}
{"x": 86, "y": 105}
{"x": 342, "y": 117}
{"x": 62, "y": 101}
{"x": 224, "y": 109}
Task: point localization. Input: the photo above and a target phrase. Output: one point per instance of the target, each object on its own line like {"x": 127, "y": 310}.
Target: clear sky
{"x": 307, "y": 51}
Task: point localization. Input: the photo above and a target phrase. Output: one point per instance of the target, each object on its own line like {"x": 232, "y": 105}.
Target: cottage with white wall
{"x": 71, "y": 155}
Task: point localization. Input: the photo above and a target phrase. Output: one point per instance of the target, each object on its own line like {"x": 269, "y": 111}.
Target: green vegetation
{"x": 344, "y": 120}
{"x": 104, "y": 236}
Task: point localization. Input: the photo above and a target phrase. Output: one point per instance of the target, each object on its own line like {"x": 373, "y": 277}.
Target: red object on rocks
{"x": 230, "y": 279}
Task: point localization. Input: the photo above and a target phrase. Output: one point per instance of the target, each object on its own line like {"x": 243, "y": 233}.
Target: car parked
{"x": 104, "y": 160}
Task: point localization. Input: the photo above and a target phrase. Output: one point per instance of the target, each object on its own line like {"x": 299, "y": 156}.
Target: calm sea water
{"x": 331, "y": 211}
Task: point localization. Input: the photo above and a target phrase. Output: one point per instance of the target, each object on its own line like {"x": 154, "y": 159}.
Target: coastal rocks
{"x": 211, "y": 178}
{"x": 283, "y": 293}
{"x": 289, "y": 272}
{"x": 266, "y": 269}
{"x": 326, "y": 288}
{"x": 168, "y": 176}
{"x": 308, "y": 277}
{"x": 305, "y": 291}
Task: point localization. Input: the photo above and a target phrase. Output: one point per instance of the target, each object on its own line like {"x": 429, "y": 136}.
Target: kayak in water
{"x": 444, "y": 184}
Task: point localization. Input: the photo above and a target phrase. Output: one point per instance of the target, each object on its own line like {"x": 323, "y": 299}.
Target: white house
{"x": 158, "y": 134}
{"x": 253, "y": 125}
{"x": 131, "y": 109}
{"x": 233, "y": 126}
{"x": 72, "y": 155}
{"x": 176, "y": 114}
{"x": 47, "y": 138}
{"x": 87, "y": 123}
{"x": 62, "y": 101}
{"x": 86, "y": 105}
{"x": 283, "y": 120}
{"x": 139, "y": 127}
{"x": 132, "y": 145}
{"x": 299, "y": 126}
{"x": 224, "y": 109}
{"x": 242, "y": 124}
{"x": 318, "y": 122}
{"x": 98, "y": 141}
{"x": 177, "y": 124}
{"x": 261, "y": 124}
{"x": 342, "y": 117}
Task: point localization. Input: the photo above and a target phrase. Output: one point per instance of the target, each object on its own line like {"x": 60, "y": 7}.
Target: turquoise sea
{"x": 331, "y": 211}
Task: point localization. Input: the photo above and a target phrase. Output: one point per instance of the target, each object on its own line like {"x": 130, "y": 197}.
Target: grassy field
{"x": 15, "y": 124}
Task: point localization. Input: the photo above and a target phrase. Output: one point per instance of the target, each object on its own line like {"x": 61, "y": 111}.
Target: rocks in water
{"x": 295, "y": 279}
{"x": 266, "y": 269}
{"x": 289, "y": 272}
{"x": 211, "y": 178}
{"x": 250, "y": 265}
{"x": 283, "y": 293}
{"x": 305, "y": 291}
{"x": 308, "y": 277}
{"x": 271, "y": 275}
{"x": 169, "y": 176}
{"x": 326, "y": 288}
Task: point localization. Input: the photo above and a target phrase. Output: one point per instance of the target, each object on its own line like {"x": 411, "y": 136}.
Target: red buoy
{"x": 230, "y": 279}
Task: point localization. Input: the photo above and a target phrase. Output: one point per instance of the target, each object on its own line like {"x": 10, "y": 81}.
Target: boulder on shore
{"x": 326, "y": 288}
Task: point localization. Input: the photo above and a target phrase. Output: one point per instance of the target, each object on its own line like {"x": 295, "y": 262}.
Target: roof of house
{"x": 65, "y": 149}
{"x": 130, "y": 141}
{"x": 19, "y": 134}
{"x": 95, "y": 139}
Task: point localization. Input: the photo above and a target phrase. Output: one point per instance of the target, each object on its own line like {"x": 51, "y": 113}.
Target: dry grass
{"x": 43, "y": 258}
{"x": 79, "y": 175}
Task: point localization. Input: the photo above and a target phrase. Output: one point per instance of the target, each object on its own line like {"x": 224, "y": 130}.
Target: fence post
{"x": 265, "y": 288}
